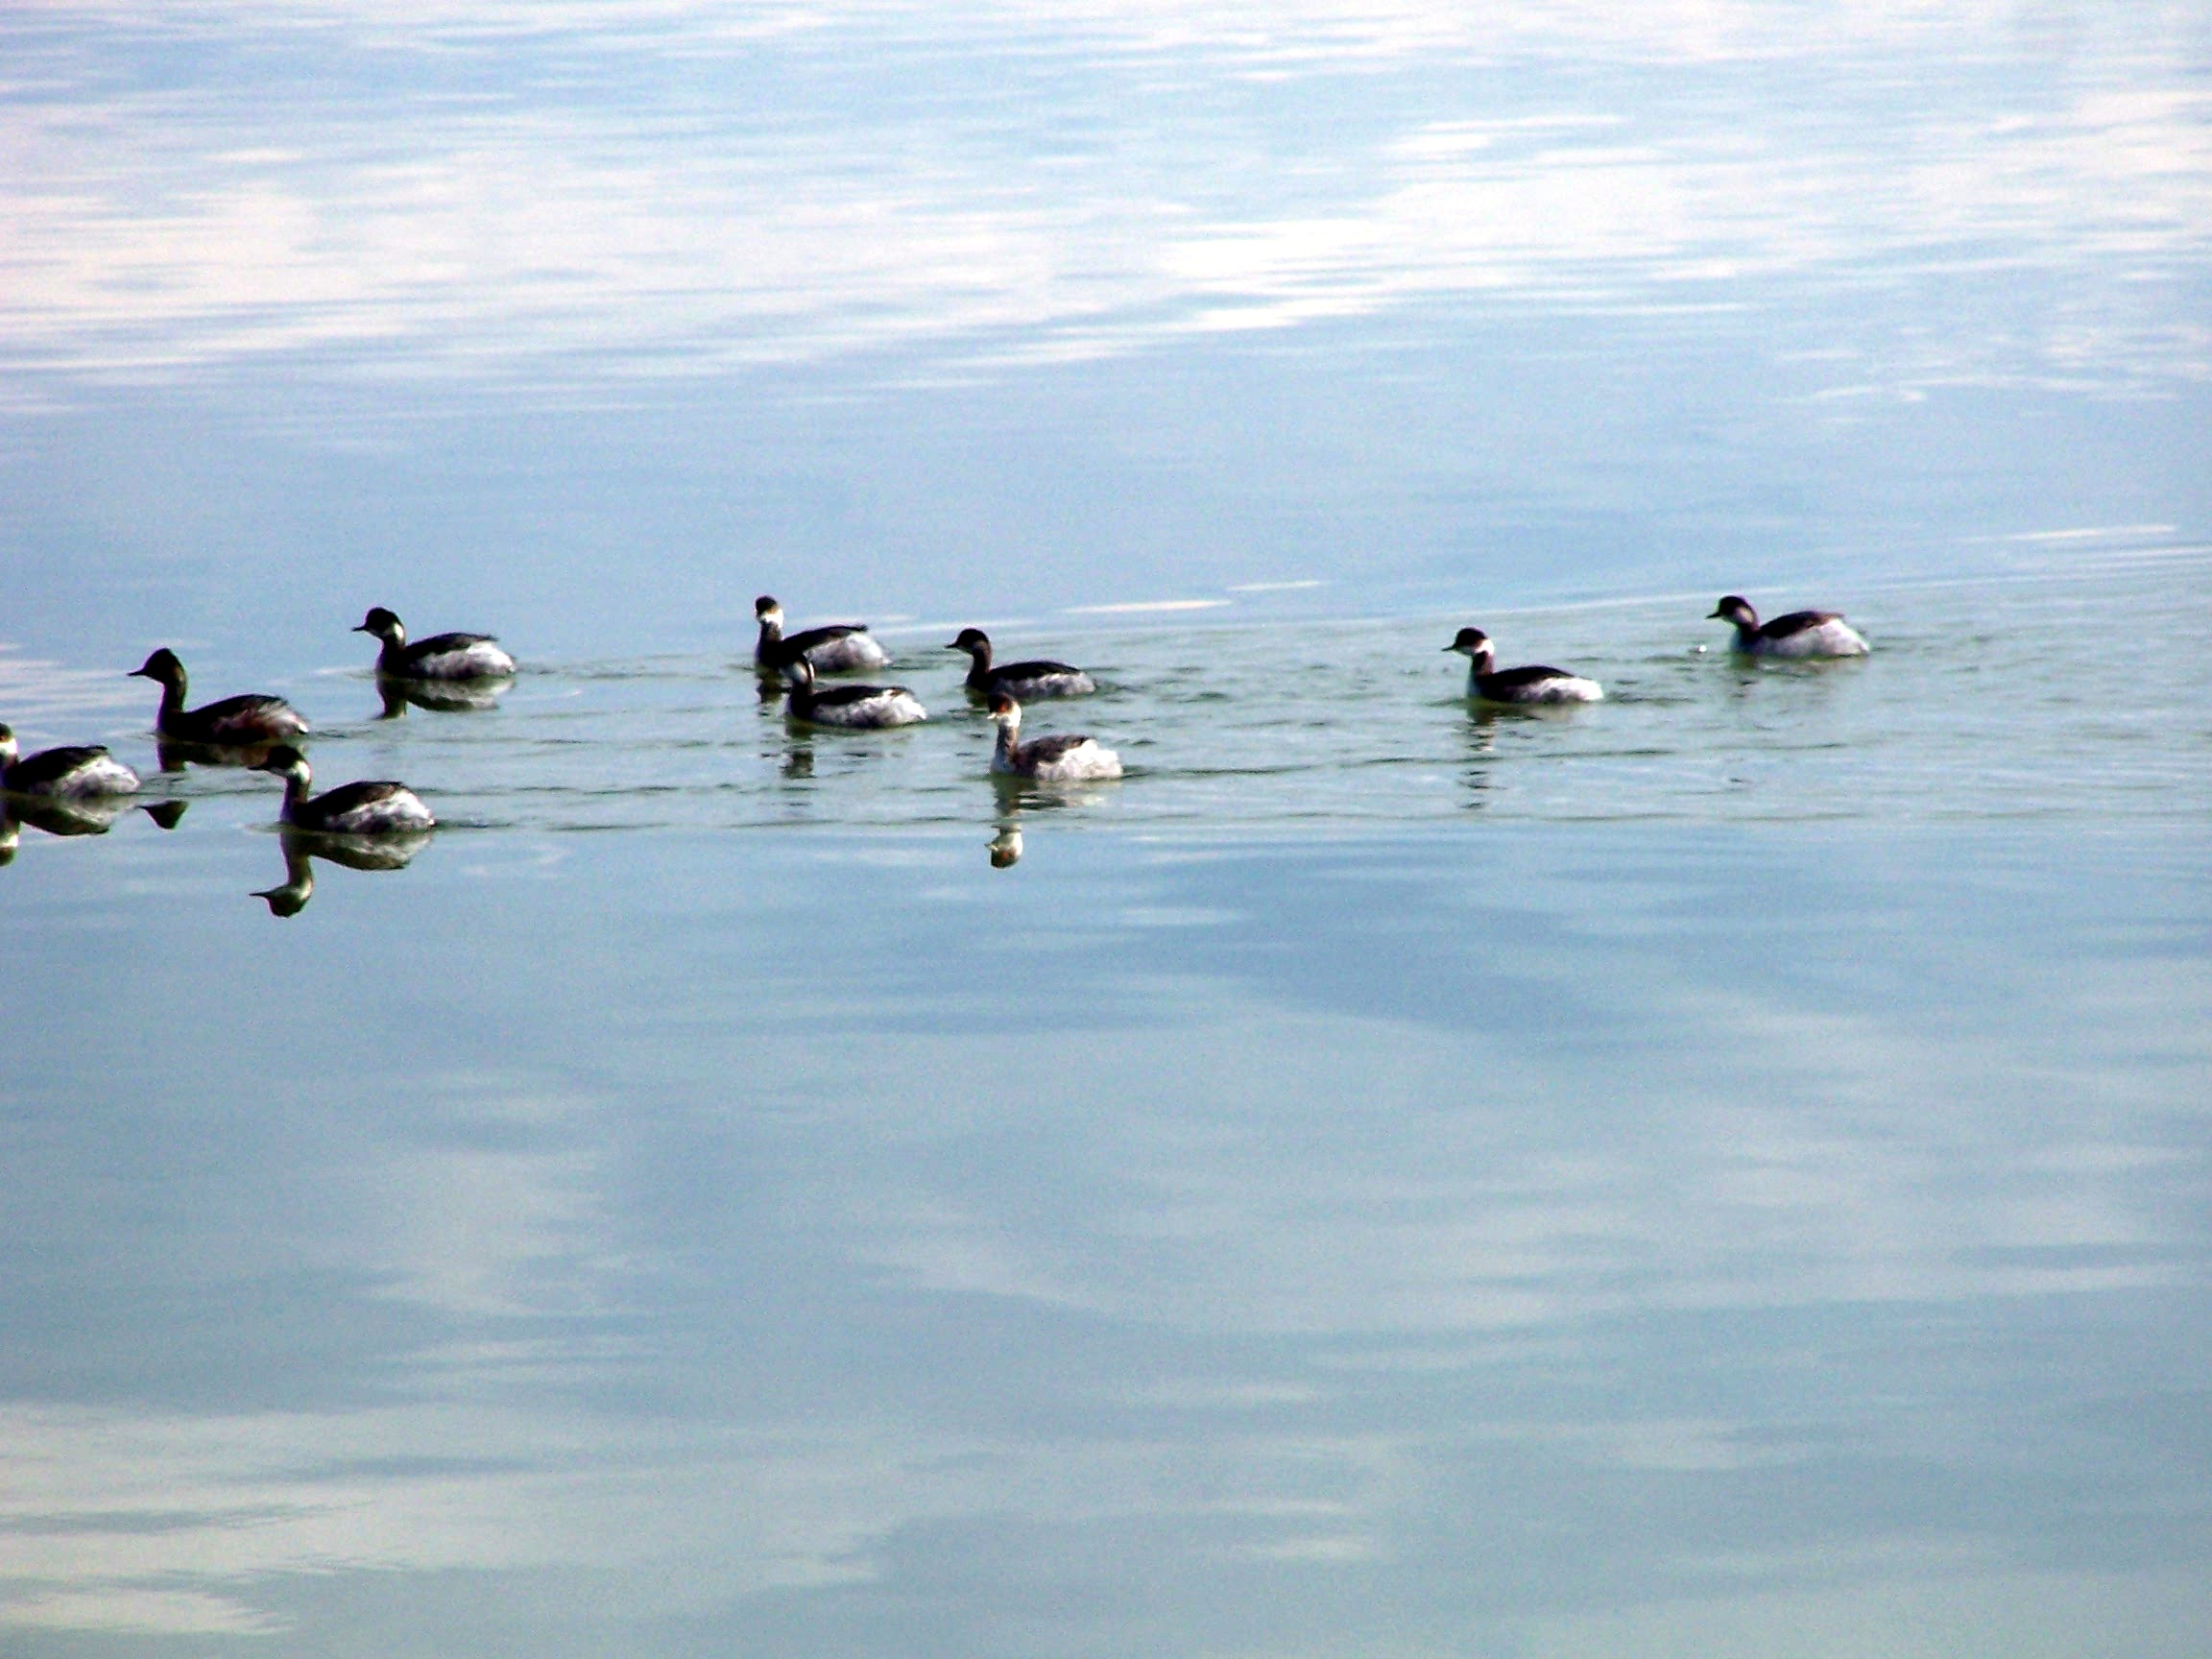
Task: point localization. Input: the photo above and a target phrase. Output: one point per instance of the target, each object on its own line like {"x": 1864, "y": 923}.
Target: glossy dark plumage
{"x": 837, "y": 648}
{"x": 865, "y": 708}
{"x": 440, "y": 657}
{"x": 233, "y": 722}
{"x": 1536, "y": 683}
{"x": 1799, "y": 634}
{"x": 75, "y": 770}
{"x": 1025, "y": 681}
{"x": 373, "y": 806}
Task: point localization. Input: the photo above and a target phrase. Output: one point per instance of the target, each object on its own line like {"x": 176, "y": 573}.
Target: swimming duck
{"x": 841, "y": 648}
{"x": 440, "y": 657}
{"x": 364, "y": 808}
{"x": 1534, "y": 684}
{"x": 849, "y": 705}
{"x": 1061, "y": 759}
{"x": 1028, "y": 680}
{"x": 75, "y": 773}
{"x": 234, "y": 722}
{"x": 1800, "y": 634}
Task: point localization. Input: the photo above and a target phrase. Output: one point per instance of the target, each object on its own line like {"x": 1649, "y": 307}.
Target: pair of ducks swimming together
{"x": 1800, "y": 636}
{"x": 262, "y": 731}
{"x": 267, "y": 727}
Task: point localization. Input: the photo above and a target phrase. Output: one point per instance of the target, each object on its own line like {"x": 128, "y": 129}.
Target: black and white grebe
{"x": 1027, "y": 681}
{"x": 841, "y": 648}
{"x": 853, "y": 706}
{"x": 1061, "y": 759}
{"x": 1534, "y": 684}
{"x": 364, "y": 808}
{"x": 80, "y": 772}
{"x": 235, "y": 722}
{"x": 1800, "y": 634}
{"x": 440, "y": 657}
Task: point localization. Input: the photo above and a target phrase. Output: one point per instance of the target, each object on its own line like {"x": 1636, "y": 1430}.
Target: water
{"x": 1720, "y": 1171}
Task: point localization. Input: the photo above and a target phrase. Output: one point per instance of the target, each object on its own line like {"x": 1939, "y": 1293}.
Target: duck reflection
{"x": 92, "y": 816}
{"x": 1018, "y": 795}
{"x": 302, "y": 847}
{"x": 439, "y": 696}
{"x": 175, "y": 755}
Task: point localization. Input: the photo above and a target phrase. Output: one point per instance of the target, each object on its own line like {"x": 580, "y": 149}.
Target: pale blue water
{"x": 1722, "y": 1171}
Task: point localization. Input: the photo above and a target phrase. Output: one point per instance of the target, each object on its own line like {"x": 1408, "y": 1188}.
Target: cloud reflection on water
{"x": 1274, "y": 1274}
{"x": 567, "y": 196}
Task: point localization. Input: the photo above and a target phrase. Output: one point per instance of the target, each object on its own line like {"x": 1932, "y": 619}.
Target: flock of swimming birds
{"x": 264, "y": 731}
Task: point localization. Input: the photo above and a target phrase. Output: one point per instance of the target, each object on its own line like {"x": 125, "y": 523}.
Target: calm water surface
{"x": 1724, "y": 1172}
{"x": 1717, "y": 1171}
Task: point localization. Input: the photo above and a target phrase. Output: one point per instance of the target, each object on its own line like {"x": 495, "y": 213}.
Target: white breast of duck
{"x": 440, "y": 657}
{"x": 1060, "y": 759}
{"x": 1800, "y": 634}
{"x": 839, "y": 648}
{"x": 369, "y": 807}
{"x": 76, "y": 772}
{"x": 1535, "y": 684}
{"x": 867, "y": 707}
{"x": 1026, "y": 682}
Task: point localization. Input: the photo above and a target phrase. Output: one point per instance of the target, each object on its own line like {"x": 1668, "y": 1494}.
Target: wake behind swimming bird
{"x": 1799, "y": 634}
{"x": 1534, "y": 685}
{"x": 1060, "y": 759}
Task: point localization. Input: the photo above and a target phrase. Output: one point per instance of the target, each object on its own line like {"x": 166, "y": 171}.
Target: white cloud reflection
{"x": 567, "y": 193}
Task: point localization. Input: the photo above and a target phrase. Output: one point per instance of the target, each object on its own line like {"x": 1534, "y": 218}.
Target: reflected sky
{"x": 1177, "y": 1252}
{"x": 570, "y": 197}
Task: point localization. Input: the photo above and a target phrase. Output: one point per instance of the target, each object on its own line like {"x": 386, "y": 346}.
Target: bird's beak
{"x": 360, "y": 628}
{"x": 1715, "y": 612}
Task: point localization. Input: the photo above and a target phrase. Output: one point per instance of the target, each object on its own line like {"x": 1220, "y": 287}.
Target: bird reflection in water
{"x": 1483, "y": 749}
{"x": 92, "y": 816}
{"x": 302, "y": 847}
{"x": 1018, "y": 795}
{"x": 175, "y": 755}
{"x": 439, "y": 696}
